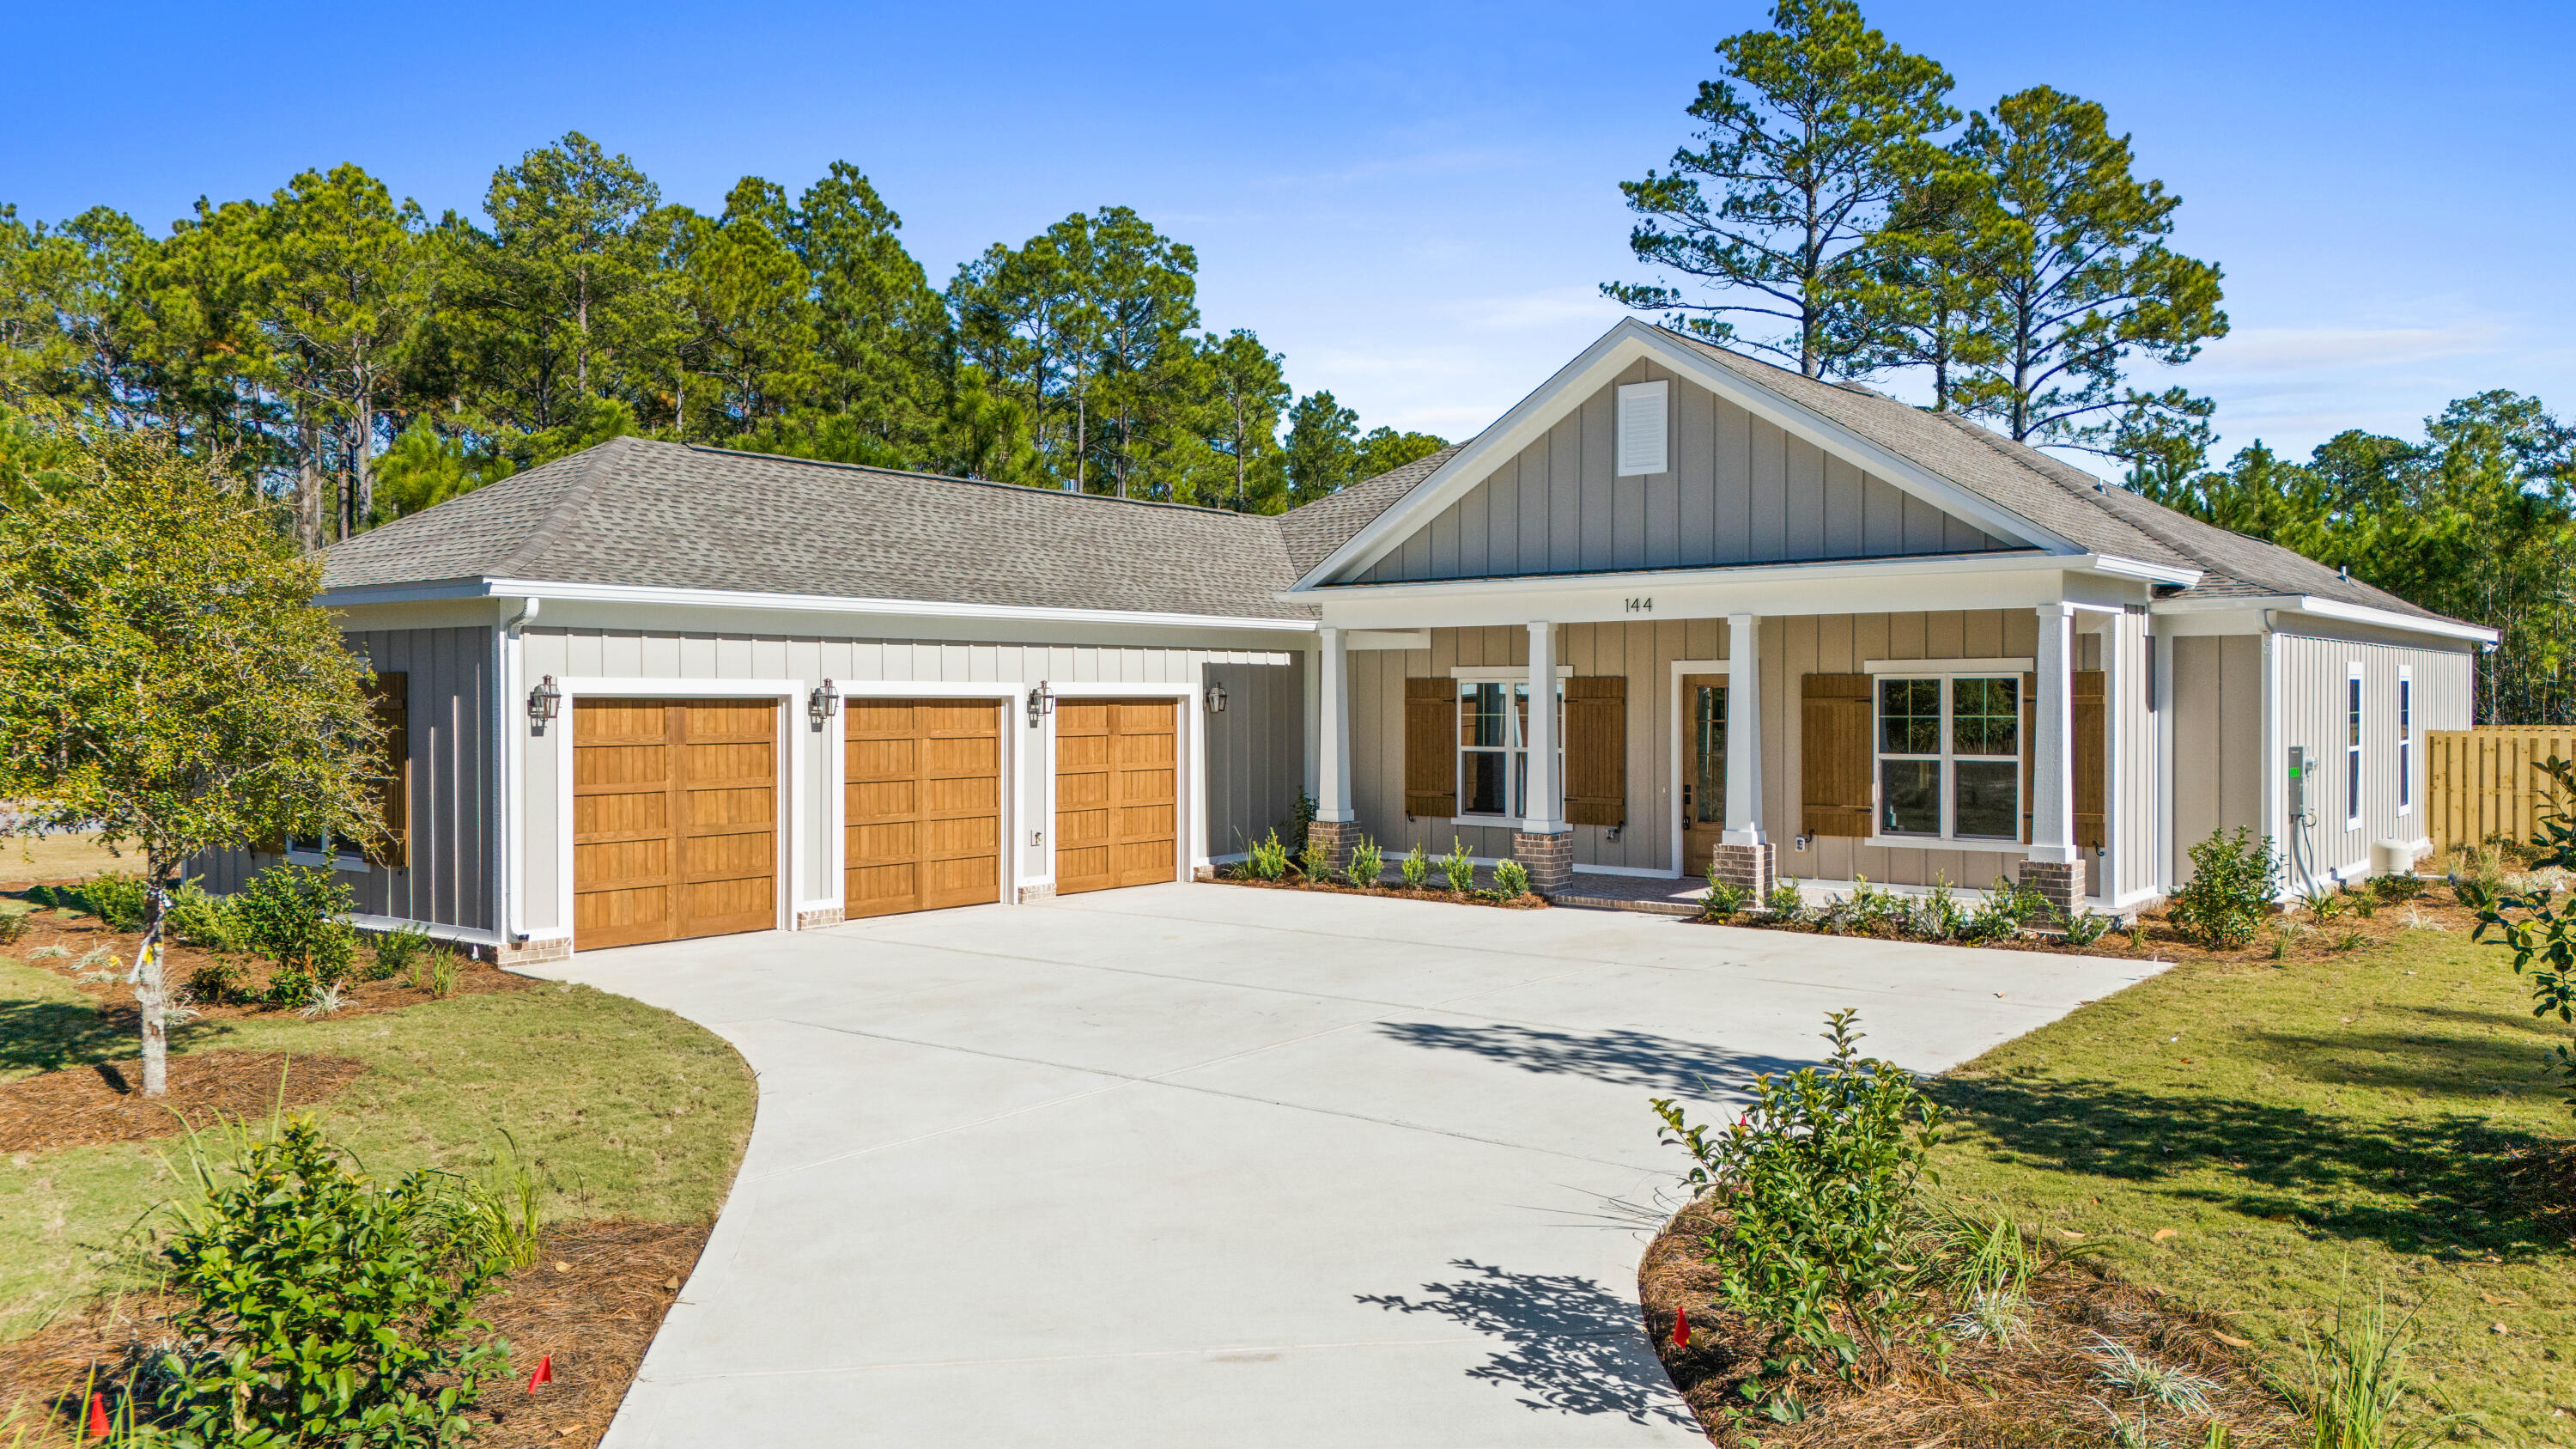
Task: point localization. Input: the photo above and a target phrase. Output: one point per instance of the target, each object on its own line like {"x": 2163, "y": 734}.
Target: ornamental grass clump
{"x": 1819, "y": 1180}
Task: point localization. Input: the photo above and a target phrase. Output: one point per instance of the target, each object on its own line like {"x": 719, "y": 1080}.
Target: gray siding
{"x": 454, "y": 814}
{"x": 1739, "y": 491}
{"x": 1253, "y": 752}
{"x": 2313, "y": 676}
{"x": 2218, "y": 742}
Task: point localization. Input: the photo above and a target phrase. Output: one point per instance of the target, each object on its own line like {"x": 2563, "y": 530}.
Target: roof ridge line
{"x": 576, "y": 492}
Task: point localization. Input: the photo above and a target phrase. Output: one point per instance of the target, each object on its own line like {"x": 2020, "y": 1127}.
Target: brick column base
{"x": 1036, "y": 895}
{"x": 1549, "y": 859}
{"x": 1334, "y": 838}
{"x": 2060, "y": 883}
{"x": 820, "y": 917}
{"x": 1749, "y": 868}
{"x": 556, "y": 948}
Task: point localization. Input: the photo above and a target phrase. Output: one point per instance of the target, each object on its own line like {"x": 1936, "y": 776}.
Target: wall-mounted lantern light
{"x": 823, "y": 703}
{"x": 1216, "y": 699}
{"x": 544, "y": 701}
{"x": 1041, "y": 703}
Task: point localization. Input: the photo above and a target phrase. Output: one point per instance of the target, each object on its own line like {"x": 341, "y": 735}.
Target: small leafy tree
{"x": 1819, "y": 1177}
{"x": 2535, "y": 927}
{"x": 2234, "y": 880}
{"x": 166, "y": 680}
{"x": 331, "y": 1310}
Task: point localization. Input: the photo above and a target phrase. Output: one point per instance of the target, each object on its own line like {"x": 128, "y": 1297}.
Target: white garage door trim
{"x": 1190, "y": 713}
{"x": 1014, "y": 699}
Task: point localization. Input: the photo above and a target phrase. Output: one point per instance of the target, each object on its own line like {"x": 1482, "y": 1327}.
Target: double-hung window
{"x": 1949, "y": 757}
{"x": 2352, "y": 748}
{"x": 1493, "y": 745}
{"x": 2405, "y": 739}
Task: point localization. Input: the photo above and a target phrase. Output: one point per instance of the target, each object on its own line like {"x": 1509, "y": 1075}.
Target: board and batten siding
{"x": 2217, "y": 728}
{"x": 454, "y": 817}
{"x": 2314, "y": 672}
{"x": 1738, "y": 490}
{"x": 1253, "y": 753}
{"x": 575, "y": 653}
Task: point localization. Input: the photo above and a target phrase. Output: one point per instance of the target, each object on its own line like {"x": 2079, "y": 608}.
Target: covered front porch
{"x": 2006, "y": 737}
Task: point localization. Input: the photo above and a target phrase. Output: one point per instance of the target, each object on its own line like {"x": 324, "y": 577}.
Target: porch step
{"x": 1614, "y": 903}
{"x": 1653, "y": 895}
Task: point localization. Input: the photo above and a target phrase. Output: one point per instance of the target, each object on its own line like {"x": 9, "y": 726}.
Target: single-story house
{"x": 1791, "y": 628}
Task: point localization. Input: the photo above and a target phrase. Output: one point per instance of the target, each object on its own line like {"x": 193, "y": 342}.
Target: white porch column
{"x": 1743, "y": 731}
{"x": 1543, "y": 805}
{"x": 2052, "y": 814}
{"x": 1333, "y": 738}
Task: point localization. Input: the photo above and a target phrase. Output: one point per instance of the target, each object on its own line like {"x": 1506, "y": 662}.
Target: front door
{"x": 1703, "y": 768}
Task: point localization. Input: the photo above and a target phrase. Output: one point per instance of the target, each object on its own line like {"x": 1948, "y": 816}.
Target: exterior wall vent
{"x": 1641, "y": 427}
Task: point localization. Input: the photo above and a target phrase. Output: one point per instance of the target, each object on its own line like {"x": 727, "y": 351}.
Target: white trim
{"x": 1189, "y": 832}
{"x": 1762, "y": 575}
{"x": 1672, "y": 790}
{"x": 1501, "y": 673}
{"x": 346, "y": 862}
{"x": 1629, "y": 341}
{"x": 1386, "y": 639}
{"x": 2167, "y": 876}
{"x": 1921, "y": 667}
{"x": 435, "y": 930}
{"x": 810, "y": 603}
{"x": 2407, "y": 754}
{"x": 2328, "y": 609}
{"x": 789, "y": 694}
{"x": 1949, "y": 759}
{"x": 1633, "y": 459}
{"x": 2356, "y": 732}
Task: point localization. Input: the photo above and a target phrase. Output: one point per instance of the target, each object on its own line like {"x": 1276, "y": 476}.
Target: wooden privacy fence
{"x": 2480, "y": 784}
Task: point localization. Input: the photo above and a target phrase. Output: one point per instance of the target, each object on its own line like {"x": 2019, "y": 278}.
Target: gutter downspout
{"x": 511, "y": 760}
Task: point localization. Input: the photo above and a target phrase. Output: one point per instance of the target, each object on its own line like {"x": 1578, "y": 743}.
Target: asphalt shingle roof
{"x": 634, "y": 511}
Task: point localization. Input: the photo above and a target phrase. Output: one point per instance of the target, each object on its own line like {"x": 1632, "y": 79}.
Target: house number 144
{"x": 1641, "y": 606}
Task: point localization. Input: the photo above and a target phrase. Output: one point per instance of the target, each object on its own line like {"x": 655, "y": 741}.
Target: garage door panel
{"x": 704, "y": 857}
{"x": 726, "y": 763}
{"x": 1116, "y": 793}
{"x": 877, "y": 717}
{"x": 631, "y": 813}
{"x": 751, "y": 720}
{"x": 675, "y": 812}
{"x": 613, "y": 765}
{"x": 717, "y": 907}
{"x": 738, "y": 805}
{"x": 615, "y": 864}
{"x": 924, "y": 808}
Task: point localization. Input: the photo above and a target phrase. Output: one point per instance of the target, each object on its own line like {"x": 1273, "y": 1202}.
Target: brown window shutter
{"x": 391, "y": 697}
{"x": 1430, "y": 748}
{"x": 1596, "y": 750}
{"x": 1834, "y": 754}
{"x": 2092, "y": 723}
{"x": 2029, "y": 732}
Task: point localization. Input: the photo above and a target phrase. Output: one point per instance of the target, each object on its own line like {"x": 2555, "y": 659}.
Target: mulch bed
{"x": 2041, "y": 1390}
{"x": 2155, "y": 937}
{"x": 81, "y": 1106}
{"x": 593, "y": 1301}
{"x": 80, "y": 935}
{"x": 1530, "y": 902}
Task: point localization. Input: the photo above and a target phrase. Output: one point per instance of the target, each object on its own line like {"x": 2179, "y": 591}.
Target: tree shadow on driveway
{"x": 1662, "y": 1065}
{"x": 1570, "y": 1345}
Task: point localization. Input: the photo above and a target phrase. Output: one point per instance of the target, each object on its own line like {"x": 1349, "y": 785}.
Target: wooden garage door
{"x": 922, "y": 796}
{"x": 675, "y": 819}
{"x": 1117, "y": 777}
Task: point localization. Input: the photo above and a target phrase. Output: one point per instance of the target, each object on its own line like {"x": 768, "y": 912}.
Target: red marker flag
{"x": 545, "y": 1373}
{"x": 98, "y": 1425}
{"x": 1681, "y": 1328}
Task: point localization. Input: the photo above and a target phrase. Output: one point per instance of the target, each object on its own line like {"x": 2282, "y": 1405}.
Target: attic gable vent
{"x": 1641, "y": 427}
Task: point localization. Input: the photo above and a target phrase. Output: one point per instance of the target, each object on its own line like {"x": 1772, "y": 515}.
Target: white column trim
{"x": 2168, "y": 872}
{"x": 2052, "y": 814}
{"x": 1543, "y": 809}
{"x": 1743, "y": 730}
{"x": 1333, "y": 761}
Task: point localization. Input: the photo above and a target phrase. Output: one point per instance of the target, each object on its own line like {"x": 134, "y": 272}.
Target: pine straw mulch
{"x": 593, "y": 1301}
{"x": 2152, "y": 935}
{"x": 1527, "y": 902}
{"x": 81, "y": 935}
{"x": 83, "y": 1106}
{"x": 2039, "y": 1391}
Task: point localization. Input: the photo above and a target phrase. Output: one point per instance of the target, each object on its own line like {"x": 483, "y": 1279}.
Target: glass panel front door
{"x": 1703, "y": 768}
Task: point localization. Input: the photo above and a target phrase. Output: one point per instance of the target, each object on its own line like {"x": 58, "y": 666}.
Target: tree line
{"x": 1834, "y": 211}
{"x": 363, "y": 360}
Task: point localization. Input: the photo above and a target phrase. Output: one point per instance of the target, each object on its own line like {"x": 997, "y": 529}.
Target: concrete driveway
{"x": 1209, "y": 1166}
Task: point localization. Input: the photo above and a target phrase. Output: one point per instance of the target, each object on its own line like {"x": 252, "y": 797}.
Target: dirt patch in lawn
{"x": 1526, "y": 902}
{"x": 2043, "y": 1388}
{"x": 593, "y": 1301}
{"x": 81, "y": 1106}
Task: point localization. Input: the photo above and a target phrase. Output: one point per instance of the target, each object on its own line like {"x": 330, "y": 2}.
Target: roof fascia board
{"x": 1628, "y": 341}
{"x": 2335, "y": 609}
{"x": 638, "y": 594}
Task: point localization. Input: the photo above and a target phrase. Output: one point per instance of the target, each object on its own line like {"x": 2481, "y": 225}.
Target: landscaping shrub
{"x": 2233, "y": 883}
{"x": 290, "y": 986}
{"x": 216, "y": 982}
{"x": 436, "y": 972}
{"x": 1416, "y": 867}
{"x": 1935, "y": 915}
{"x": 119, "y": 899}
{"x": 2085, "y": 927}
{"x": 202, "y": 919}
{"x": 1786, "y": 904}
{"x": 330, "y": 1310}
{"x": 1310, "y": 860}
{"x": 1457, "y": 869}
{"x": 1299, "y": 818}
{"x": 13, "y": 924}
{"x": 1819, "y": 1177}
{"x": 1511, "y": 880}
{"x": 1725, "y": 899}
{"x": 393, "y": 952}
{"x": 1268, "y": 859}
{"x": 291, "y": 915}
{"x": 2536, "y": 929}
{"x": 2393, "y": 889}
{"x": 1366, "y": 865}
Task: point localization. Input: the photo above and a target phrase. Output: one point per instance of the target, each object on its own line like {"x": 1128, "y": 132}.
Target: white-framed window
{"x": 1641, "y": 425}
{"x": 2405, "y": 739}
{"x": 1493, "y": 741}
{"x": 324, "y": 850}
{"x": 1949, "y": 756}
{"x": 2352, "y": 747}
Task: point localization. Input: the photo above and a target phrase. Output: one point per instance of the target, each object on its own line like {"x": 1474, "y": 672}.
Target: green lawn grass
{"x": 629, "y": 1111}
{"x": 2309, "y": 1131}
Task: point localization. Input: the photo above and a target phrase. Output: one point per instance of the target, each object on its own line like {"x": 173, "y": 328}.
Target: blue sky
{"x": 1414, "y": 204}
